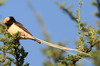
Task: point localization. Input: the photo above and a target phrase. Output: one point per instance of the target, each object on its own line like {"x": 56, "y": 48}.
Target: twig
{"x": 39, "y": 19}
{"x": 17, "y": 57}
{"x": 70, "y": 14}
{"x": 16, "y": 54}
{"x": 98, "y": 2}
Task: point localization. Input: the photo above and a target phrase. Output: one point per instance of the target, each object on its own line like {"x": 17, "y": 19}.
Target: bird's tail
{"x": 37, "y": 40}
{"x": 59, "y": 47}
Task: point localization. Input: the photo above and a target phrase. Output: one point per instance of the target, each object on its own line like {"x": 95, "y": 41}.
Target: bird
{"x": 13, "y": 27}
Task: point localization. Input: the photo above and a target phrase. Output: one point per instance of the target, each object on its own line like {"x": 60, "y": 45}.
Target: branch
{"x": 98, "y": 2}
{"x": 40, "y": 20}
{"x": 70, "y": 14}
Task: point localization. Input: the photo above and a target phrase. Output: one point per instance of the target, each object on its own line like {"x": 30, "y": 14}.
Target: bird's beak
{"x": 5, "y": 22}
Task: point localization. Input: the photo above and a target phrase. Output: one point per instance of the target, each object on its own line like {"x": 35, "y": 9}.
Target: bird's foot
{"x": 22, "y": 35}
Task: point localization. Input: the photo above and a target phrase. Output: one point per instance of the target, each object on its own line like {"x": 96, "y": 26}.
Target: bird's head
{"x": 9, "y": 20}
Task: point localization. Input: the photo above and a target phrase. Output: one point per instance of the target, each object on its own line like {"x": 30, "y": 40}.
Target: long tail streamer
{"x": 61, "y": 47}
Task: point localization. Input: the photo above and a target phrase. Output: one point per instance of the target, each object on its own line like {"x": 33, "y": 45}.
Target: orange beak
{"x": 5, "y": 22}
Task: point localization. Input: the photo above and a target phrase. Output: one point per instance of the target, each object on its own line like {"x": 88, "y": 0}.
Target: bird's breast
{"x": 13, "y": 29}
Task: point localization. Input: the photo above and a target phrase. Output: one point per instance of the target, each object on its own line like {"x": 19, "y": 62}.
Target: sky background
{"x": 58, "y": 23}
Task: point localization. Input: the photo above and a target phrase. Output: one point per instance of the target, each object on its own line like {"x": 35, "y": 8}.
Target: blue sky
{"x": 58, "y": 23}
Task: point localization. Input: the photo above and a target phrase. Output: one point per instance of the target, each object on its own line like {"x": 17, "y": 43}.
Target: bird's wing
{"x": 22, "y": 27}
